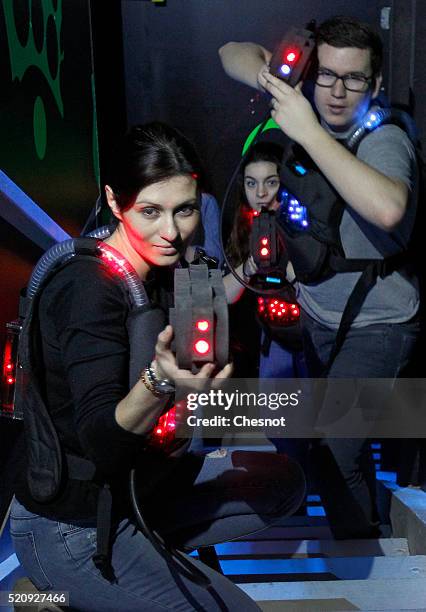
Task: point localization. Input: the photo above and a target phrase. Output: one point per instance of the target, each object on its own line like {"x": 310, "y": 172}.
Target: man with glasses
{"x": 378, "y": 187}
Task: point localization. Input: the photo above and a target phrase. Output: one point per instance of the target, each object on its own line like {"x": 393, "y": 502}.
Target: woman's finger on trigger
{"x": 225, "y": 372}
{"x": 205, "y": 371}
{"x": 164, "y": 339}
{"x": 167, "y": 334}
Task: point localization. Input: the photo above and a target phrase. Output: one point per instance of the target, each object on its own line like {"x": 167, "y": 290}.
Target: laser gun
{"x": 292, "y": 58}
{"x": 200, "y": 318}
{"x": 264, "y": 240}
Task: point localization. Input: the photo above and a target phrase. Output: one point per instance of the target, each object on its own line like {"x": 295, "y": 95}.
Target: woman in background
{"x": 260, "y": 187}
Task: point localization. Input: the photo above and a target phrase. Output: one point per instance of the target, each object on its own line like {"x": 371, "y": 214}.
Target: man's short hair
{"x": 343, "y": 31}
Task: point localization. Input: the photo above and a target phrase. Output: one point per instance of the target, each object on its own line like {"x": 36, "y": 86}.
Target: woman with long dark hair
{"x": 259, "y": 186}
{"x": 83, "y": 350}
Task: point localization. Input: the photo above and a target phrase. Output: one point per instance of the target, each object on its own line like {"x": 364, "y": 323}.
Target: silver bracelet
{"x": 160, "y": 386}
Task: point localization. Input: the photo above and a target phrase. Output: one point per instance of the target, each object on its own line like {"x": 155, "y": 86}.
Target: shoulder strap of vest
{"x": 45, "y": 456}
{"x": 376, "y": 117}
{"x": 47, "y": 462}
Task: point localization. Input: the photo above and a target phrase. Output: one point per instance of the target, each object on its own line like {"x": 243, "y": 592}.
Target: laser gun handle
{"x": 200, "y": 318}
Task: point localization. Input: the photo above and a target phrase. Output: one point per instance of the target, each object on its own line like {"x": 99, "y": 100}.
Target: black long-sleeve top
{"x": 85, "y": 352}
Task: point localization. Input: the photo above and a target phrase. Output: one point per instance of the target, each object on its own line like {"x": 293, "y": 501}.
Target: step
{"x": 290, "y": 533}
{"x": 342, "y": 568}
{"x": 408, "y": 516}
{"x": 389, "y": 547}
{"x": 382, "y": 594}
{"x": 302, "y": 521}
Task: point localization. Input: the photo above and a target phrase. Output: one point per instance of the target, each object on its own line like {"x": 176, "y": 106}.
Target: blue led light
{"x": 372, "y": 121}
{"x": 273, "y": 279}
{"x": 300, "y": 169}
{"x": 285, "y": 69}
{"x": 292, "y": 213}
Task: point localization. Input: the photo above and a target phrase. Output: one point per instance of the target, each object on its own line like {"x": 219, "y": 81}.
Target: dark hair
{"x": 238, "y": 247}
{"x": 149, "y": 154}
{"x": 343, "y": 31}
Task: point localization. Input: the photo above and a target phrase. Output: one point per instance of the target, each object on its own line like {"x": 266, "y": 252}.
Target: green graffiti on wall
{"x": 23, "y": 57}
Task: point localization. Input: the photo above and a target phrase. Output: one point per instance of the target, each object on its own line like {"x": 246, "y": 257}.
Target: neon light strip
{"x": 22, "y": 212}
{"x": 8, "y": 566}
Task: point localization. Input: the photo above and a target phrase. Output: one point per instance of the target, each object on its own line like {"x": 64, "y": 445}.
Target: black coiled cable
{"x": 170, "y": 554}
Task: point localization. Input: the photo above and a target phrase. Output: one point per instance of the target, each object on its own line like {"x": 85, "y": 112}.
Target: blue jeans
{"x": 343, "y": 468}
{"x": 281, "y": 362}
{"x": 231, "y": 496}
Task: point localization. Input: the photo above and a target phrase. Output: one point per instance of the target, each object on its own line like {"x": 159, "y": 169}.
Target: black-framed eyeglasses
{"x": 351, "y": 82}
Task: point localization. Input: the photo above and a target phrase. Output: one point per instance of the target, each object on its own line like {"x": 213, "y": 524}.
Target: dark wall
{"x": 173, "y": 71}
{"x": 47, "y": 124}
{"x": 418, "y": 73}
{"x": 48, "y": 143}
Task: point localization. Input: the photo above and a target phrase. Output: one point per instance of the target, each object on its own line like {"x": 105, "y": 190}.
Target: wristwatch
{"x": 157, "y": 386}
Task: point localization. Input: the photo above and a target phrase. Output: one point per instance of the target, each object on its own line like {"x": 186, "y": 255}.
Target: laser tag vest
{"x": 47, "y": 462}
{"x": 279, "y": 317}
{"x": 311, "y": 214}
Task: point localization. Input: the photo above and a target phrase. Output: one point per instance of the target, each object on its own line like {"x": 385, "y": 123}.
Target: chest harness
{"x": 48, "y": 464}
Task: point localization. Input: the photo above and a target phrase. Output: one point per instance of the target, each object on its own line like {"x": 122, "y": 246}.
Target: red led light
{"x": 255, "y": 213}
{"x": 10, "y": 380}
{"x": 9, "y": 366}
{"x": 278, "y": 312}
{"x": 291, "y": 57}
{"x": 163, "y": 432}
{"x": 202, "y": 347}
{"x": 264, "y": 252}
{"x": 264, "y": 241}
{"x": 202, "y": 325}
{"x": 114, "y": 262}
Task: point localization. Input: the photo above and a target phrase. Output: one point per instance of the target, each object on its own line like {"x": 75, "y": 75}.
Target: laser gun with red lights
{"x": 264, "y": 240}
{"x": 292, "y": 58}
{"x": 200, "y": 318}
{"x": 11, "y": 371}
